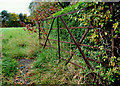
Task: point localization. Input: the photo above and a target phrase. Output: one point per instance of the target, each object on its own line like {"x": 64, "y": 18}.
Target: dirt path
{"x": 24, "y": 67}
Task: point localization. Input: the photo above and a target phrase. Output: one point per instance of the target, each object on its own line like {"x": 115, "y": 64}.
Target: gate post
{"x": 58, "y": 38}
{"x": 39, "y": 29}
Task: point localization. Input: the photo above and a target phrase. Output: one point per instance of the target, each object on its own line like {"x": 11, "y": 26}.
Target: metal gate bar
{"x": 46, "y": 35}
{"x": 81, "y": 45}
{"x": 76, "y": 46}
{"x": 58, "y": 39}
{"x": 88, "y": 65}
{"x": 75, "y": 42}
{"x": 49, "y": 32}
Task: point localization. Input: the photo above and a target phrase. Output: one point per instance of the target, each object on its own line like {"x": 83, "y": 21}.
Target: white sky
{"x": 15, "y": 6}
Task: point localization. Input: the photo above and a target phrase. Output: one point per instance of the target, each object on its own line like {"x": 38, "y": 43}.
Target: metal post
{"x": 58, "y": 38}
{"x": 77, "y": 44}
{"x": 46, "y": 35}
{"x": 76, "y": 47}
{"x": 39, "y": 30}
{"x": 49, "y": 33}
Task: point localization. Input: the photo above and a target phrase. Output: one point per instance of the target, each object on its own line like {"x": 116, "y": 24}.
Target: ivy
{"x": 97, "y": 15}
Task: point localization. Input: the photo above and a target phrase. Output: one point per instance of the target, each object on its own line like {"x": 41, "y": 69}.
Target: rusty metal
{"x": 73, "y": 28}
{"x": 97, "y": 62}
{"x": 75, "y": 53}
{"x": 83, "y": 36}
{"x": 58, "y": 38}
{"x": 68, "y": 13}
{"x": 62, "y": 15}
{"x": 49, "y": 32}
{"x": 88, "y": 65}
{"x": 46, "y": 35}
{"x": 76, "y": 47}
{"x": 56, "y": 48}
{"x": 39, "y": 29}
{"x": 81, "y": 45}
{"x": 77, "y": 44}
{"x": 62, "y": 41}
{"x": 72, "y": 63}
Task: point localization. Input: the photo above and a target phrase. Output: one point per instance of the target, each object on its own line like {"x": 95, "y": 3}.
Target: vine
{"x": 99, "y": 16}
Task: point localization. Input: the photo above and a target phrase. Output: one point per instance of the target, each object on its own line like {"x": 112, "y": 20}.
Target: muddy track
{"x": 24, "y": 67}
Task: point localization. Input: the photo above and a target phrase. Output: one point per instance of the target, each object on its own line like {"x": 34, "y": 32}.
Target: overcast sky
{"x": 15, "y": 6}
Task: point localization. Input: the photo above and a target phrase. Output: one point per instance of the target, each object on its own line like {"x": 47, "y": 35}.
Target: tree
{"x": 25, "y": 17}
{"x": 21, "y": 17}
{"x": 14, "y": 17}
{"x": 32, "y": 7}
{"x": 5, "y": 17}
{"x": 13, "y": 20}
{"x": 42, "y": 10}
{"x": 48, "y": 8}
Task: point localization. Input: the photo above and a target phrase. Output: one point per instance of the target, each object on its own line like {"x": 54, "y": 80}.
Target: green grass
{"x": 0, "y": 71}
{"x": 17, "y": 43}
{"x": 49, "y": 71}
{"x": 9, "y": 67}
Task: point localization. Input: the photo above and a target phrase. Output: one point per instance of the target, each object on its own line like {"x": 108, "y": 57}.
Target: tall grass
{"x": 17, "y": 43}
{"x": 49, "y": 71}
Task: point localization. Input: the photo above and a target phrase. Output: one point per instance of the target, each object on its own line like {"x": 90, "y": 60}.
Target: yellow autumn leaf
{"x": 85, "y": 24}
{"x": 105, "y": 33}
{"x": 114, "y": 69}
{"x": 80, "y": 19}
{"x": 97, "y": 35}
{"x": 38, "y": 18}
{"x": 106, "y": 17}
{"x": 83, "y": 19}
{"x": 48, "y": 22}
{"x": 84, "y": 15}
{"x": 115, "y": 25}
{"x": 113, "y": 64}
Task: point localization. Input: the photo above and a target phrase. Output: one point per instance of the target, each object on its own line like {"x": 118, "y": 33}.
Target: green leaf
{"x": 115, "y": 25}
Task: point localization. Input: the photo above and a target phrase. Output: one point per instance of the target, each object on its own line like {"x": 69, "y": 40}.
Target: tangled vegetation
{"x": 105, "y": 19}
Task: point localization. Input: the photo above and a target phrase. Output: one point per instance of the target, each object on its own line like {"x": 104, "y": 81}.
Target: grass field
{"x": 19, "y": 44}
